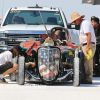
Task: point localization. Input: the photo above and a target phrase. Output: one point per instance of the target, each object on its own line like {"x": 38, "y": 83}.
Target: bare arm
{"x": 88, "y": 41}
{"x": 8, "y": 61}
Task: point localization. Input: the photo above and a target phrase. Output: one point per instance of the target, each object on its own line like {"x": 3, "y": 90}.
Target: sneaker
{"x": 3, "y": 81}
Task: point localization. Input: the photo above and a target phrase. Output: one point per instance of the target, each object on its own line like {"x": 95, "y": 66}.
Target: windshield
{"x": 34, "y": 18}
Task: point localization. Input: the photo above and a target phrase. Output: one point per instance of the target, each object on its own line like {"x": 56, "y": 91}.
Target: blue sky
{"x": 68, "y": 6}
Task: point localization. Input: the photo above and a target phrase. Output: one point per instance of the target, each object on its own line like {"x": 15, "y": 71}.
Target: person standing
{"x": 6, "y": 65}
{"x": 88, "y": 41}
{"x": 96, "y": 26}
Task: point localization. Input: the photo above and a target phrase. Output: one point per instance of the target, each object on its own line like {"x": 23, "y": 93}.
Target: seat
{"x": 52, "y": 20}
{"x": 22, "y": 20}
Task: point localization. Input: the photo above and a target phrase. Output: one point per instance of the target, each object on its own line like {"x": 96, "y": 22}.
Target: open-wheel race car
{"x": 51, "y": 58}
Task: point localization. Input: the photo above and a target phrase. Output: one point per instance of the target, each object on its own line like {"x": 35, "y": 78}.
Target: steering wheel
{"x": 60, "y": 28}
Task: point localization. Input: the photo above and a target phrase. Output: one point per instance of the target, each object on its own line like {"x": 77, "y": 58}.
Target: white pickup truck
{"x": 22, "y": 23}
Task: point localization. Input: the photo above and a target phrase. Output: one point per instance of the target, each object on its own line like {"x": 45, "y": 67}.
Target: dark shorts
{"x": 5, "y": 67}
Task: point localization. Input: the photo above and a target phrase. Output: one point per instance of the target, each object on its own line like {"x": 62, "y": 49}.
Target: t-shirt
{"x": 86, "y": 27}
{"x": 97, "y": 31}
{"x": 5, "y": 56}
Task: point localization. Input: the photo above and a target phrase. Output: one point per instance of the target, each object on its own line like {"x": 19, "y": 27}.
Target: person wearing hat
{"x": 88, "y": 41}
{"x": 96, "y": 26}
{"x": 6, "y": 65}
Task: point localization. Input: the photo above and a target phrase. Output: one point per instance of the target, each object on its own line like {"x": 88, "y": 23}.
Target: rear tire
{"x": 21, "y": 71}
{"x": 12, "y": 76}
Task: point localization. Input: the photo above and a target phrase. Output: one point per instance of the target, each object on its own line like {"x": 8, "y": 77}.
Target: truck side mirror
{"x": 73, "y": 26}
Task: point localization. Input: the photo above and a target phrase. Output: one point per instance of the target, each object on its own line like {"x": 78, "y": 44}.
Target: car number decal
{"x": 15, "y": 11}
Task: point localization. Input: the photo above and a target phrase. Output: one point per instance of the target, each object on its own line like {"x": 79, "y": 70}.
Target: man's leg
{"x": 11, "y": 70}
{"x": 6, "y": 69}
{"x": 88, "y": 64}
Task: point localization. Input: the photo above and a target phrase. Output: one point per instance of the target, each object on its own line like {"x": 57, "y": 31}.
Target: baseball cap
{"x": 93, "y": 17}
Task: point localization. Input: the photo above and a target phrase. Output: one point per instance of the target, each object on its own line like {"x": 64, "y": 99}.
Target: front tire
{"x": 21, "y": 71}
{"x": 76, "y": 72}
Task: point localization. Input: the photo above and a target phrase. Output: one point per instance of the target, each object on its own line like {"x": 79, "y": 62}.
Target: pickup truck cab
{"x": 22, "y": 23}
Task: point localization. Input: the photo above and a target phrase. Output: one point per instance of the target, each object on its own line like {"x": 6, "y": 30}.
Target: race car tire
{"x": 12, "y": 76}
{"x": 21, "y": 71}
{"x": 76, "y": 72}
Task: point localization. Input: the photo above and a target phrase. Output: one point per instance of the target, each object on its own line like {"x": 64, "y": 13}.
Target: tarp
{"x": 93, "y": 2}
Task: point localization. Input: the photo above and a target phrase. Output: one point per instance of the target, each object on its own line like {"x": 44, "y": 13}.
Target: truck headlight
{"x": 2, "y": 35}
{"x": 2, "y": 42}
{"x": 3, "y": 38}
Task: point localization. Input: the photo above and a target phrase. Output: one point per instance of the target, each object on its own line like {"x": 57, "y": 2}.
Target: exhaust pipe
{"x": 57, "y": 78}
{"x": 64, "y": 76}
{"x": 32, "y": 75}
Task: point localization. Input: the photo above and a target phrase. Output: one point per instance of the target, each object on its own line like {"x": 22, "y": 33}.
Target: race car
{"x": 49, "y": 59}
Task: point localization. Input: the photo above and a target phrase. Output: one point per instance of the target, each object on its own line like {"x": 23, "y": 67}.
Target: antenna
{"x": 36, "y": 2}
{"x": 44, "y": 23}
{"x": 2, "y": 9}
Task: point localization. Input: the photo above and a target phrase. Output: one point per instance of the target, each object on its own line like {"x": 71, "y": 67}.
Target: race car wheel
{"x": 12, "y": 76}
{"x": 21, "y": 71}
{"x": 76, "y": 72}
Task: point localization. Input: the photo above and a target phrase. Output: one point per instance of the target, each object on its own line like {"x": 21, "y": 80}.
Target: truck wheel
{"x": 12, "y": 76}
{"x": 21, "y": 71}
{"x": 76, "y": 72}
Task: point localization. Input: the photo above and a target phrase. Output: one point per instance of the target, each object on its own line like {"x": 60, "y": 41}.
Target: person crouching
{"x": 6, "y": 65}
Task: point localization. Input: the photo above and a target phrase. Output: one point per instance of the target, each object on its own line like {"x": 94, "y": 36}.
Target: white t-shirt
{"x": 5, "y": 56}
{"x": 86, "y": 27}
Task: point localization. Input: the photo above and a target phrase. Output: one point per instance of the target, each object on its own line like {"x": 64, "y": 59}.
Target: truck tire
{"x": 12, "y": 76}
{"x": 76, "y": 72}
{"x": 21, "y": 71}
